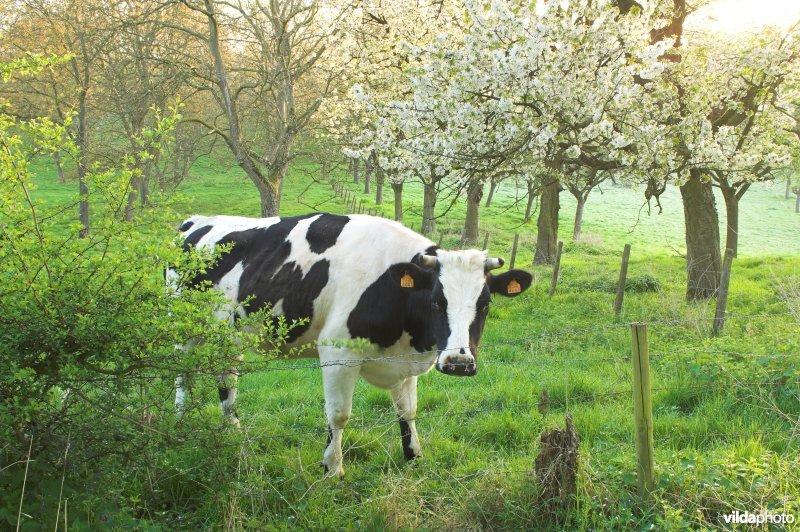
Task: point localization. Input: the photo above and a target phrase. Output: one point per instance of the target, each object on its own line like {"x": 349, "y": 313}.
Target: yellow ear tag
{"x": 513, "y": 287}
{"x": 406, "y": 281}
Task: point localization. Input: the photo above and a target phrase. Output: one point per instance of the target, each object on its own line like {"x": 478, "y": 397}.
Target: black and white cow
{"x": 353, "y": 277}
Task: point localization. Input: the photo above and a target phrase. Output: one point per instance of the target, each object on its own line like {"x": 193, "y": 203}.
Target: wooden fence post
{"x": 623, "y": 277}
{"x": 722, "y": 297}
{"x": 486, "y": 241}
{"x": 642, "y": 409}
{"x": 556, "y": 268}
{"x": 514, "y": 252}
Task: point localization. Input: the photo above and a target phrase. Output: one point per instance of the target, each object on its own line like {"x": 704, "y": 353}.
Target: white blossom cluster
{"x": 509, "y": 86}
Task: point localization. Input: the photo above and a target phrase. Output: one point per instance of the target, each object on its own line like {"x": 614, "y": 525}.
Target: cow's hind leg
{"x": 228, "y": 382}
{"x": 404, "y": 395}
{"x": 339, "y": 382}
{"x": 182, "y": 385}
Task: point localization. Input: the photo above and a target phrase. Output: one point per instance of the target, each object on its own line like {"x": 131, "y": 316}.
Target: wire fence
{"x": 559, "y": 400}
{"x": 522, "y": 356}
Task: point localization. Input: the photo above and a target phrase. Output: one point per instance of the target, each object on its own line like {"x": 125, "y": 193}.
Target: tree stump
{"x": 557, "y": 463}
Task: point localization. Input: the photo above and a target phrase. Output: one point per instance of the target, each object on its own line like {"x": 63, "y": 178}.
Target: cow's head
{"x": 456, "y": 288}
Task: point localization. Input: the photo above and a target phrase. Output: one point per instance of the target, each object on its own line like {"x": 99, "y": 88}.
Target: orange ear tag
{"x": 513, "y": 287}
{"x": 406, "y": 281}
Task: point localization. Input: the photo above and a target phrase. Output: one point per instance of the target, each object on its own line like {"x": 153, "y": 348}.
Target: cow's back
{"x": 313, "y": 266}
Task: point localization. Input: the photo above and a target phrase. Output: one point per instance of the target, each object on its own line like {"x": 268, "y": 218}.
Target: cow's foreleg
{"x": 404, "y": 395}
{"x": 228, "y": 382}
{"x": 180, "y": 395}
{"x": 339, "y": 382}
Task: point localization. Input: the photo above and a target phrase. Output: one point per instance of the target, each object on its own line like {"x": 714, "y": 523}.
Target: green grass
{"x": 722, "y": 426}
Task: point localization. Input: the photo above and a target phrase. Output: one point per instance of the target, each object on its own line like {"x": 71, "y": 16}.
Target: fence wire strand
{"x": 386, "y": 417}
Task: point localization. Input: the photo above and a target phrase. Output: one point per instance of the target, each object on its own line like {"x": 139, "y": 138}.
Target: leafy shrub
{"x": 88, "y": 355}
{"x": 634, "y": 283}
{"x": 641, "y": 284}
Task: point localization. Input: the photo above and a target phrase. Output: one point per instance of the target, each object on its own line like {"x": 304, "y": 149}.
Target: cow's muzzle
{"x": 457, "y": 365}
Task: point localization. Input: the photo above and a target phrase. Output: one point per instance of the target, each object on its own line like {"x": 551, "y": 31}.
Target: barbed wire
{"x": 388, "y": 416}
{"x": 271, "y": 365}
{"x": 790, "y": 433}
{"x": 702, "y": 351}
{"x": 560, "y": 401}
{"x": 413, "y": 357}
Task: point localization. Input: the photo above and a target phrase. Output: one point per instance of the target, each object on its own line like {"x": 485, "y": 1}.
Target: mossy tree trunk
{"x": 367, "y": 173}
{"x": 547, "y": 223}
{"x": 380, "y": 177}
{"x": 397, "y": 188}
{"x": 472, "y": 220}
{"x": 703, "y": 258}
{"x": 428, "y": 208}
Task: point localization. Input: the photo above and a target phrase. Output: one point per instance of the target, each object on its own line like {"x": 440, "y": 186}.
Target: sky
{"x": 739, "y": 16}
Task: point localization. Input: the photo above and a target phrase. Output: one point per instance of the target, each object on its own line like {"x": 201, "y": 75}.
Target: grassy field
{"x": 726, "y": 409}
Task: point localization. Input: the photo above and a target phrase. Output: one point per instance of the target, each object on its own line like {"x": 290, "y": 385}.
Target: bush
{"x": 641, "y": 284}
{"x": 88, "y": 355}
{"x": 636, "y": 284}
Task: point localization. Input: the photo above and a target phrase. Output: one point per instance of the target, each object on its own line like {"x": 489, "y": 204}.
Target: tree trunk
{"x": 797, "y": 200}
{"x": 269, "y": 185}
{"x": 367, "y": 173}
{"x": 576, "y": 229}
{"x": 531, "y": 198}
{"x": 703, "y": 259}
{"x": 130, "y": 206}
{"x": 492, "y": 187}
{"x": 144, "y": 190}
{"x": 428, "y": 209}
{"x": 547, "y": 223}
{"x": 62, "y": 179}
{"x": 270, "y": 198}
{"x": 471, "y": 222}
{"x": 732, "y": 218}
{"x": 81, "y": 145}
{"x": 788, "y": 187}
{"x": 397, "y": 188}
{"x": 379, "y": 179}
{"x": 356, "y": 170}
{"x": 325, "y": 172}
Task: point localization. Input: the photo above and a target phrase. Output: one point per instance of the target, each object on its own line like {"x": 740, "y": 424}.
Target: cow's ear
{"x": 409, "y": 276}
{"x": 510, "y": 284}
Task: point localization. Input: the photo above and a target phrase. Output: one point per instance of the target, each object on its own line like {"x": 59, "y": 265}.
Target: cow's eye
{"x": 485, "y": 309}
{"x": 436, "y": 307}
